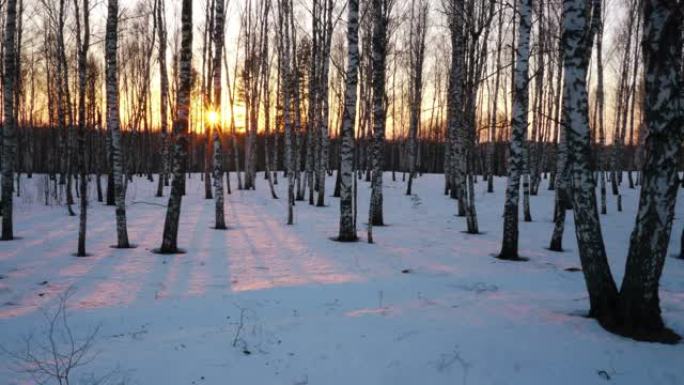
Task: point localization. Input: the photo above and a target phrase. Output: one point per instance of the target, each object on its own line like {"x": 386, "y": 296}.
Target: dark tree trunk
{"x": 379, "y": 49}
{"x": 9, "y": 141}
{"x": 82, "y": 75}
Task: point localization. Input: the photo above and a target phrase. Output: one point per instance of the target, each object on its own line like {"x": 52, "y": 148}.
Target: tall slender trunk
{"x": 633, "y": 86}
{"x": 313, "y": 145}
{"x": 597, "y": 26}
{"x": 207, "y": 82}
{"x": 180, "y": 129}
{"x": 163, "y": 100}
{"x": 233, "y": 134}
{"x": 112, "y": 79}
{"x": 455, "y": 110}
{"x": 536, "y": 147}
{"x": 84, "y": 43}
{"x": 324, "y": 134}
{"x": 219, "y": 16}
{"x": 297, "y": 134}
{"x": 577, "y": 45}
{"x": 561, "y": 193}
{"x": 379, "y": 43}
{"x": 265, "y": 78}
{"x": 417, "y": 55}
{"x": 9, "y": 141}
{"x": 285, "y": 65}
{"x": 347, "y": 231}
{"x": 491, "y": 154}
{"x": 519, "y": 122}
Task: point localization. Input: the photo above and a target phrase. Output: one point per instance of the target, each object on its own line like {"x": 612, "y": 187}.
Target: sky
{"x": 614, "y": 19}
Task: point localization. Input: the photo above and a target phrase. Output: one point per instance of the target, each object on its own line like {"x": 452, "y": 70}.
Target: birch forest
{"x": 341, "y": 191}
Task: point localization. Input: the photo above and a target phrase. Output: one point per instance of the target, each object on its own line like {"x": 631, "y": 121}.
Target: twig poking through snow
{"x": 240, "y": 326}
{"x": 446, "y": 360}
{"x": 59, "y": 353}
{"x": 147, "y": 203}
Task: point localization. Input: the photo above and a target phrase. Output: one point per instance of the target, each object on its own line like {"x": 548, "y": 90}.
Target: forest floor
{"x": 266, "y": 303}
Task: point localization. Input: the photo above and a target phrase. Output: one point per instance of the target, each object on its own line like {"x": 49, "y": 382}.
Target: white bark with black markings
{"x": 347, "y": 230}
{"x": 519, "y": 122}
{"x": 180, "y": 129}
{"x": 112, "y": 80}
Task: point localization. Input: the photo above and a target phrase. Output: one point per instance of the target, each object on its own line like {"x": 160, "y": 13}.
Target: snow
{"x": 426, "y": 304}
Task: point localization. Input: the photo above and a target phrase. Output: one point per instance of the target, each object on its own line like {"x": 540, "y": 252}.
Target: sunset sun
{"x": 213, "y": 117}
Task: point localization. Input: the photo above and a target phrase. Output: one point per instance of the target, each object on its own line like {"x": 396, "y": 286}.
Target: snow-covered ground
{"x": 266, "y": 303}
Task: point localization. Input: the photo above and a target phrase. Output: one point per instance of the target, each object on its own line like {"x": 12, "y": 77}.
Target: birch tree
{"x": 180, "y": 129}
{"x": 380, "y": 14}
{"x": 64, "y": 106}
{"x": 83, "y": 40}
{"x": 163, "y": 99}
{"x": 597, "y": 27}
{"x": 662, "y": 51}
{"x": 220, "y": 221}
{"x": 455, "y": 111}
{"x": 347, "y": 231}
{"x": 323, "y": 110}
{"x": 635, "y": 310}
{"x": 9, "y": 125}
{"x": 416, "y": 58}
{"x": 255, "y": 32}
{"x": 286, "y": 68}
{"x": 577, "y": 51}
{"x": 561, "y": 191}
{"x": 623, "y": 97}
{"x": 491, "y": 151}
{"x": 519, "y": 122}
{"x": 266, "y": 100}
{"x": 208, "y": 113}
{"x": 478, "y": 16}
{"x": 112, "y": 79}
{"x": 325, "y": 99}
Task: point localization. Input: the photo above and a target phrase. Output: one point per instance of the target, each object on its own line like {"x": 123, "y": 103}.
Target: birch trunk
{"x": 9, "y": 142}
{"x": 491, "y": 154}
{"x": 84, "y": 43}
{"x": 562, "y": 198}
{"x": 455, "y": 110}
{"x": 417, "y": 55}
{"x": 324, "y": 135}
{"x": 163, "y": 100}
{"x": 577, "y": 45}
{"x": 286, "y": 68}
{"x": 597, "y": 26}
{"x": 347, "y": 230}
{"x": 379, "y": 51}
{"x": 180, "y": 129}
{"x": 662, "y": 47}
{"x": 111, "y": 41}
{"x": 220, "y": 221}
{"x": 233, "y": 134}
{"x": 519, "y": 122}
{"x": 206, "y": 86}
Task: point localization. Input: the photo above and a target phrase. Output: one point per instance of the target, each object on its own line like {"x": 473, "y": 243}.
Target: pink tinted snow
{"x": 257, "y": 253}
